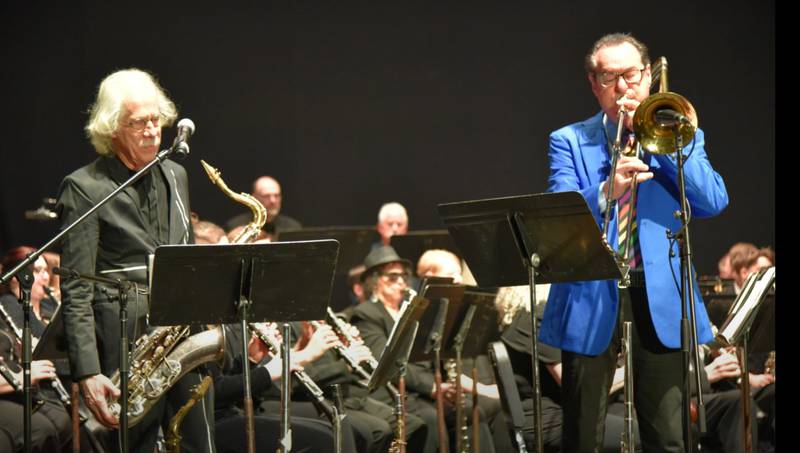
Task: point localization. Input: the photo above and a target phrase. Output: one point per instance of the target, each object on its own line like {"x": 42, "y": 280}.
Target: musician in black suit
{"x": 125, "y": 129}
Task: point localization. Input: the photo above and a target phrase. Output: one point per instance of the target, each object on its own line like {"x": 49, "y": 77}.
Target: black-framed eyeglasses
{"x": 631, "y": 76}
{"x": 141, "y": 124}
{"x": 395, "y": 276}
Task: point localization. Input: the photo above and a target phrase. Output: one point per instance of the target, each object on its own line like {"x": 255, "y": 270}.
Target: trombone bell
{"x": 655, "y": 137}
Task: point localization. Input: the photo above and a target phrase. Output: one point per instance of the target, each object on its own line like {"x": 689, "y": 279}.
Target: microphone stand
{"x": 122, "y": 287}
{"x": 162, "y": 155}
{"x": 25, "y": 279}
{"x": 689, "y": 341}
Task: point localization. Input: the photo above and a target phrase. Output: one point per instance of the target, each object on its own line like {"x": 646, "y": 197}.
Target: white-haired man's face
{"x": 138, "y": 136}
{"x": 394, "y": 223}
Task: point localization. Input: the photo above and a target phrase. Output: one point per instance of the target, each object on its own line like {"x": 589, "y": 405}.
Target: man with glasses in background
{"x": 584, "y": 319}
{"x": 125, "y": 129}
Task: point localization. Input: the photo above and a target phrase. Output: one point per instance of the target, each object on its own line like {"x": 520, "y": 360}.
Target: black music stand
{"x": 413, "y": 244}
{"x": 529, "y": 239}
{"x": 737, "y": 329}
{"x": 394, "y": 358}
{"x": 355, "y": 243}
{"x": 287, "y": 281}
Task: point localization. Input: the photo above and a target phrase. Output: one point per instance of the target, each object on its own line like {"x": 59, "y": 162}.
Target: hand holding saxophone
{"x": 97, "y": 390}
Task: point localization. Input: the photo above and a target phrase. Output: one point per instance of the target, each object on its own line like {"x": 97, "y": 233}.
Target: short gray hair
{"x": 615, "y": 39}
{"x": 114, "y": 90}
{"x": 389, "y": 207}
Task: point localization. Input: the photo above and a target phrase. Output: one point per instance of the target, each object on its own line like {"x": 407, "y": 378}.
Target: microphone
{"x": 181, "y": 143}
{"x": 44, "y": 212}
{"x": 669, "y": 117}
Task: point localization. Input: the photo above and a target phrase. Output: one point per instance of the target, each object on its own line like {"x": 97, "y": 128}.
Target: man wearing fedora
{"x": 385, "y": 281}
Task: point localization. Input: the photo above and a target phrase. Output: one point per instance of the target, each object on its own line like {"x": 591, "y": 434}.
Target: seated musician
{"x": 385, "y": 283}
{"x": 308, "y": 434}
{"x": 50, "y": 422}
{"x": 374, "y": 422}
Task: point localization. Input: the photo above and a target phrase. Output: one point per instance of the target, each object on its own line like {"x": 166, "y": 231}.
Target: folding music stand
{"x": 736, "y": 332}
{"x": 53, "y": 343}
{"x": 355, "y": 242}
{"x": 284, "y": 281}
{"x": 413, "y": 244}
{"x": 529, "y": 239}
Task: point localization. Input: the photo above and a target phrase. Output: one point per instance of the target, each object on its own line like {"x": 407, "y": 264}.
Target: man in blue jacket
{"x": 584, "y": 318}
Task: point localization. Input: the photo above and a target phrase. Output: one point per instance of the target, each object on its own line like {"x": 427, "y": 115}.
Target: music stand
{"x": 413, "y": 244}
{"x": 471, "y": 326}
{"x": 355, "y": 242}
{"x": 529, "y": 239}
{"x": 285, "y": 281}
{"x": 736, "y": 330}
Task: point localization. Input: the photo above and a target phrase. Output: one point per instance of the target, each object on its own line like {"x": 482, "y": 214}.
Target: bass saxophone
{"x": 166, "y": 354}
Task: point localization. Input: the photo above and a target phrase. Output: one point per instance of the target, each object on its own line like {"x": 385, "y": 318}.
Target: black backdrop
{"x": 351, "y": 106}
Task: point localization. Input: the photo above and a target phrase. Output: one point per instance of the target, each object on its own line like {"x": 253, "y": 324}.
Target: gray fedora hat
{"x": 384, "y": 254}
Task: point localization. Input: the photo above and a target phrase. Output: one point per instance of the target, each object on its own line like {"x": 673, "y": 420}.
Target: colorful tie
{"x": 627, "y": 213}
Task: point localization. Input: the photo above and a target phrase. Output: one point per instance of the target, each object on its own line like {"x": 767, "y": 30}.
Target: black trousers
{"x": 657, "y": 375}
{"x": 50, "y": 427}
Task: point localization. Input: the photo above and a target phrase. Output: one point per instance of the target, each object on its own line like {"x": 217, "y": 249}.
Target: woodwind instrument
{"x": 173, "y": 440}
{"x": 267, "y": 332}
{"x": 55, "y": 383}
{"x": 342, "y": 351}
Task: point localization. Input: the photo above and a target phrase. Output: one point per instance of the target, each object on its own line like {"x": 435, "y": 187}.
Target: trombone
{"x": 660, "y": 122}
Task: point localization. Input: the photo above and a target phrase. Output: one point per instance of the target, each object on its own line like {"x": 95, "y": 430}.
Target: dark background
{"x": 352, "y": 106}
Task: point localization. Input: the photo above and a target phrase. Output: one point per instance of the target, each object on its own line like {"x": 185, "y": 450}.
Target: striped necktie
{"x": 627, "y": 213}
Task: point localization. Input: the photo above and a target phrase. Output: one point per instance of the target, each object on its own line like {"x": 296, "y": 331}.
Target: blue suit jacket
{"x": 581, "y": 316}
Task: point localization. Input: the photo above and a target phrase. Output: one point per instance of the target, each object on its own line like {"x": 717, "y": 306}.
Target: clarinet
{"x": 55, "y": 383}
{"x": 264, "y": 333}
{"x": 340, "y": 327}
{"x": 351, "y": 361}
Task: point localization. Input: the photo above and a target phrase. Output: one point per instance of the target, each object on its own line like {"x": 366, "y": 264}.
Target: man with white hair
{"x": 392, "y": 220}
{"x": 267, "y": 190}
{"x": 125, "y": 129}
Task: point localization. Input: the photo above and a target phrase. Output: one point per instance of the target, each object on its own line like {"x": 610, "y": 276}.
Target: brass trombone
{"x": 654, "y": 133}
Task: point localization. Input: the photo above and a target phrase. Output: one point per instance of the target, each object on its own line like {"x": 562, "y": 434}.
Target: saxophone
{"x": 173, "y": 441}
{"x": 162, "y": 357}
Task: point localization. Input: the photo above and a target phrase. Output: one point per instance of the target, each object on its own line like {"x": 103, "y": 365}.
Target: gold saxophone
{"x": 166, "y": 354}
{"x": 173, "y": 440}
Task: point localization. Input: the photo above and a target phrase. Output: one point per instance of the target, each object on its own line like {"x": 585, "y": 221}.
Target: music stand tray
{"x": 291, "y": 281}
{"x": 422, "y": 347}
{"x": 559, "y": 228}
{"x": 395, "y": 354}
{"x": 53, "y": 343}
{"x": 483, "y": 329}
{"x": 413, "y": 244}
{"x": 355, "y": 242}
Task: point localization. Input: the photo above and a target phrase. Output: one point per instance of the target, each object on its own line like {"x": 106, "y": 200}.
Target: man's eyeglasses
{"x": 141, "y": 124}
{"x": 631, "y": 76}
{"x": 395, "y": 276}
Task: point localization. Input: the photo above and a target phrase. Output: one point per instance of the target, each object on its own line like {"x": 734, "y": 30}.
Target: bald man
{"x": 267, "y": 190}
